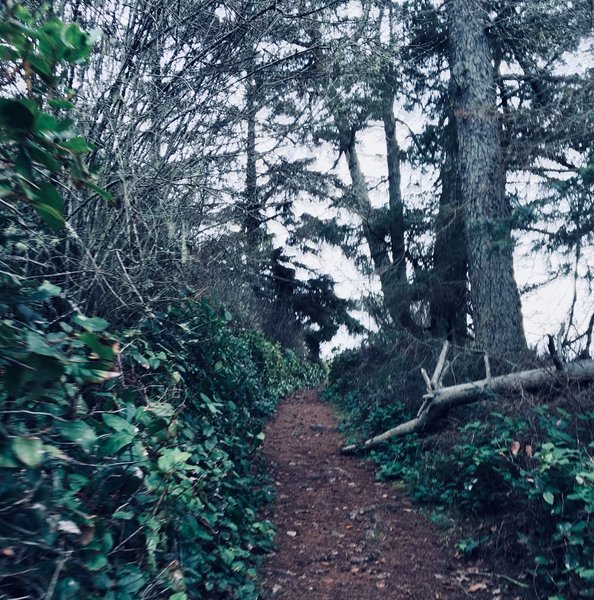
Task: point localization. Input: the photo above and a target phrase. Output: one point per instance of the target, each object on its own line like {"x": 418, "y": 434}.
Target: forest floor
{"x": 342, "y": 535}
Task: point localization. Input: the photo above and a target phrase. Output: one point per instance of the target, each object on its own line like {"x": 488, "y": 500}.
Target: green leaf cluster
{"x": 132, "y": 471}
{"x": 40, "y": 150}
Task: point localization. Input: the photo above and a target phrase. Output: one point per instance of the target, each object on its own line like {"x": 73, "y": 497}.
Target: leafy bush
{"x": 126, "y": 458}
{"x": 144, "y": 484}
{"x": 527, "y": 469}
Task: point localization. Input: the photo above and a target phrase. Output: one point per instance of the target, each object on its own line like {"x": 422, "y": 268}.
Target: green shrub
{"x": 529, "y": 467}
{"x": 126, "y": 457}
{"x": 144, "y": 483}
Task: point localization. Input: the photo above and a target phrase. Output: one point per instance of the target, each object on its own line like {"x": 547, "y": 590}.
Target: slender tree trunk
{"x": 496, "y": 309}
{"x": 251, "y": 205}
{"x": 397, "y": 274}
{"x": 449, "y": 302}
{"x": 373, "y": 233}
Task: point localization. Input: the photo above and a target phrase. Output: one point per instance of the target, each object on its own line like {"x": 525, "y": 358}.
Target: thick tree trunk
{"x": 496, "y": 309}
{"x": 449, "y": 302}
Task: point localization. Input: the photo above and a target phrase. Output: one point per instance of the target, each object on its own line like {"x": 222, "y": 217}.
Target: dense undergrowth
{"x": 143, "y": 486}
{"x": 127, "y": 453}
{"x": 521, "y": 468}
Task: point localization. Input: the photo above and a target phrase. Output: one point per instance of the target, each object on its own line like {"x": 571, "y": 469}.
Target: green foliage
{"x": 532, "y": 470}
{"x": 145, "y": 483}
{"x": 40, "y": 151}
{"x": 282, "y": 368}
{"x": 126, "y": 458}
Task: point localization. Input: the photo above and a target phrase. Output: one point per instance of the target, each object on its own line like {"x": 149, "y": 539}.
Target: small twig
{"x": 440, "y": 364}
{"x": 54, "y": 580}
{"x": 132, "y": 286}
{"x": 502, "y": 576}
{"x": 426, "y": 401}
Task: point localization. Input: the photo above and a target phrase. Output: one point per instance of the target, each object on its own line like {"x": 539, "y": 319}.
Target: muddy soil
{"x": 343, "y": 535}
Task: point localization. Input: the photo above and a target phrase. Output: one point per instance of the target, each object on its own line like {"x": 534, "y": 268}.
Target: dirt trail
{"x": 340, "y": 533}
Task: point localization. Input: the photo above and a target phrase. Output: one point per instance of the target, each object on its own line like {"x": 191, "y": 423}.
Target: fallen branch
{"x": 439, "y": 400}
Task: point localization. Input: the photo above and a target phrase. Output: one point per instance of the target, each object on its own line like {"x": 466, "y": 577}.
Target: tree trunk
{"x": 251, "y": 205}
{"x": 398, "y": 283}
{"x": 373, "y": 233}
{"x": 496, "y": 309}
{"x": 449, "y": 302}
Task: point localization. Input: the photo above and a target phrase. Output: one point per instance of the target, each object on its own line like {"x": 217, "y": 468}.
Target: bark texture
{"x": 496, "y": 309}
{"x": 449, "y": 301}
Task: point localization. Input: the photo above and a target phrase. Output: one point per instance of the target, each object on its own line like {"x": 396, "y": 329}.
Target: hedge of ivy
{"x": 126, "y": 457}
{"x": 142, "y": 486}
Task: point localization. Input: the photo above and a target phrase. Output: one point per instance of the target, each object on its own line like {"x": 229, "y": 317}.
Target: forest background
{"x": 216, "y": 127}
{"x": 161, "y": 157}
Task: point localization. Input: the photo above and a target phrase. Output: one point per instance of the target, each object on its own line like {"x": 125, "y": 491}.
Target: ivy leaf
{"x": 548, "y": 498}
{"x": 76, "y": 145}
{"x": 92, "y": 324}
{"x": 101, "y": 192}
{"x": 60, "y": 103}
{"x": 118, "y": 424}
{"x": 49, "y": 204}
{"x": 80, "y": 433}
{"x": 41, "y": 155}
{"x": 213, "y": 407}
{"x": 48, "y": 194}
{"x": 28, "y": 450}
{"x": 587, "y": 574}
{"x": 72, "y": 36}
{"x": 114, "y": 442}
{"x": 161, "y": 409}
{"x": 130, "y": 580}
{"x": 37, "y": 344}
{"x": 47, "y": 290}
{"x": 172, "y": 458}
{"x": 46, "y": 122}
{"x": 96, "y": 344}
{"x": 42, "y": 66}
{"x": 96, "y": 561}
{"x": 124, "y": 515}
{"x": 50, "y": 215}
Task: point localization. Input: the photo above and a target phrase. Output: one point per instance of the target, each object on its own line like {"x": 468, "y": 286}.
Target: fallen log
{"x": 439, "y": 400}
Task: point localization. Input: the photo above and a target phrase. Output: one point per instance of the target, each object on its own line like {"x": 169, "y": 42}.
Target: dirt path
{"x": 340, "y": 533}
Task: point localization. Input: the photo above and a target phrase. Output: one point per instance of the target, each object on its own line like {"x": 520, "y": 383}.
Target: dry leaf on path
{"x": 475, "y": 587}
